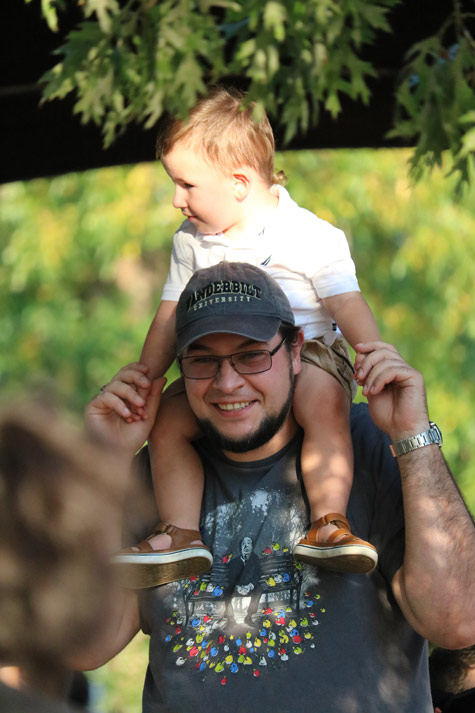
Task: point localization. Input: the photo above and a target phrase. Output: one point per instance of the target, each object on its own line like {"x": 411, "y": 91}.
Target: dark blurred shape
{"x": 452, "y": 677}
{"x": 61, "y": 504}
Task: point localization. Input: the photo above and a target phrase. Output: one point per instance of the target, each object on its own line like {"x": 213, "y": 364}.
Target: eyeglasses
{"x": 208, "y": 366}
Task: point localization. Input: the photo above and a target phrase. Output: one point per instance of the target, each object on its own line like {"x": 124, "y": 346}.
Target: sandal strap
{"x": 179, "y": 536}
{"x": 333, "y": 518}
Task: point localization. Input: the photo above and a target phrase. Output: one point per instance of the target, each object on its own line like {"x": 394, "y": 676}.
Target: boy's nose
{"x": 179, "y": 198}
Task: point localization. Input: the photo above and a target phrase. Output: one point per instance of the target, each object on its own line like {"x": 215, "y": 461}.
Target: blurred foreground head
{"x": 61, "y": 501}
{"x": 449, "y": 669}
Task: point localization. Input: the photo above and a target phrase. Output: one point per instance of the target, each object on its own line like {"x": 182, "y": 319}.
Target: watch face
{"x": 435, "y": 433}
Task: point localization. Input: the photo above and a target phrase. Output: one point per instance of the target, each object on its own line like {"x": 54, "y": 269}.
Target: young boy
{"x": 221, "y": 160}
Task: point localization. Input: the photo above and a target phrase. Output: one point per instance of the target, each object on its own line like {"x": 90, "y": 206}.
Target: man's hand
{"x": 109, "y": 417}
{"x": 395, "y": 391}
{"x": 435, "y": 585}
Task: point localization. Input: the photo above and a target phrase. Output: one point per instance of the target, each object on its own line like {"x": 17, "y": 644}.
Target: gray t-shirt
{"x": 262, "y": 633}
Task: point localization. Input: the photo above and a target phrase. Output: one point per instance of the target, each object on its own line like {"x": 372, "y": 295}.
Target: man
{"x": 319, "y": 641}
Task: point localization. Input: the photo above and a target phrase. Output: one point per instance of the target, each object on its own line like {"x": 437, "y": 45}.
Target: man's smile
{"x": 237, "y": 406}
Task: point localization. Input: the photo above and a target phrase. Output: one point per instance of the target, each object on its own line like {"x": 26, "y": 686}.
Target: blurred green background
{"x": 83, "y": 258}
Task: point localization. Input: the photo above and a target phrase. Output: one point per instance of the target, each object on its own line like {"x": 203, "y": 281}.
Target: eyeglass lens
{"x": 207, "y": 366}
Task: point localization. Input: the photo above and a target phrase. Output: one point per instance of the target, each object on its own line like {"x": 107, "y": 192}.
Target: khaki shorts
{"x": 334, "y": 359}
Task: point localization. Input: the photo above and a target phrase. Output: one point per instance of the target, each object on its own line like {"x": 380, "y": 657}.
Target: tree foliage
{"x": 436, "y": 100}
{"x": 133, "y": 60}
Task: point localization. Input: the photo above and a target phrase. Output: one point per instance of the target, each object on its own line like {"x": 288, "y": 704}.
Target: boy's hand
{"x": 109, "y": 415}
{"x": 395, "y": 391}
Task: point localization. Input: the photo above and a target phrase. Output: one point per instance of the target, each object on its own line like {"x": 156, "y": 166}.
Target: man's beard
{"x": 266, "y": 430}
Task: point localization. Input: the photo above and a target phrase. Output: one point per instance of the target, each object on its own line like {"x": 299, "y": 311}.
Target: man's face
{"x": 204, "y": 194}
{"x": 246, "y": 547}
{"x": 235, "y": 407}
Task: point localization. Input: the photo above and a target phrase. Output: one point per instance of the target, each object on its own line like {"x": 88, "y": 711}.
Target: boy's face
{"x": 205, "y": 195}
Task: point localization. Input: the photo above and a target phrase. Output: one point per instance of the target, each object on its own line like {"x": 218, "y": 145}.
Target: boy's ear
{"x": 241, "y": 184}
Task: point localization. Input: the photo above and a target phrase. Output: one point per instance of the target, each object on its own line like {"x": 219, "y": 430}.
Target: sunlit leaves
{"x": 436, "y": 105}
{"x": 303, "y": 55}
{"x": 134, "y": 61}
{"x": 128, "y": 63}
{"x": 77, "y": 279}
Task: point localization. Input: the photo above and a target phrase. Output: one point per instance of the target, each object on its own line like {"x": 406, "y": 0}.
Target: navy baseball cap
{"x": 231, "y": 298}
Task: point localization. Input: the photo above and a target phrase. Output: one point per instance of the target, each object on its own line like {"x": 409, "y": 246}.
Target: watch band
{"x": 427, "y": 438}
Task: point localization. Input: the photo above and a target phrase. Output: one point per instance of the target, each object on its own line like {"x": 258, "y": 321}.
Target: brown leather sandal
{"x": 141, "y": 566}
{"x": 342, "y": 552}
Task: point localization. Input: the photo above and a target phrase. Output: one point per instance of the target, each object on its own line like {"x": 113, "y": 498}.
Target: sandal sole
{"x": 142, "y": 570}
{"x": 353, "y": 559}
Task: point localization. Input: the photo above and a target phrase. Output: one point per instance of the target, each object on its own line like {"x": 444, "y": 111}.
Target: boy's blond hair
{"x": 225, "y": 129}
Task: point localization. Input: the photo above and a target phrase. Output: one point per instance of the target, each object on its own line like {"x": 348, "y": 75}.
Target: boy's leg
{"x": 177, "y": 471}
{"x": 322, "y": 407}
{"x": 177, "y": 475}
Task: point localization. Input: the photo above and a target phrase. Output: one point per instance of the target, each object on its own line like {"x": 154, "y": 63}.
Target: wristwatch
{"x": 427, "y": 438}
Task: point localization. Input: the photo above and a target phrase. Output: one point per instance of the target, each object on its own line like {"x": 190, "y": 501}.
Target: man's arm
{"x": 435, "y": 586}
{"x": 109, "y": 419}
{"x": 122, "y": 625}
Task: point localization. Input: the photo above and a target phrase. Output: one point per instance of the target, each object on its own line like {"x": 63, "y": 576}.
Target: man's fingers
{"x": 133, "y": 374}
{"x": 365, "y": 363}
{"x": 365, "y": 347}
{"x": 368, "y": 353}
{"x": 153, "y": 400}
{"x": 127, "y": 384}
{"x": 125, "y": 391}
{"x": 385, "y": 372}
{"x": 108, "y": 401}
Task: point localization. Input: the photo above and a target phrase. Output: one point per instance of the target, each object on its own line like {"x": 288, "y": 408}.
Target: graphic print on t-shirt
{"x": 257, "y": 607}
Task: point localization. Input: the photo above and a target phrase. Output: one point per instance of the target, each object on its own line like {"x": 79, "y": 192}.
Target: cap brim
{"x": 260, "y": 328}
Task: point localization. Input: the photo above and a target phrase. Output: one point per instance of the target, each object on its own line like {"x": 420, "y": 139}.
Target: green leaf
{"x": 468, "y": 143}
{"x": 274, "y": 18}
{"x": 49, "y": 13}
{"x": 104, "y": 9}
{"x": 332, "y": 104}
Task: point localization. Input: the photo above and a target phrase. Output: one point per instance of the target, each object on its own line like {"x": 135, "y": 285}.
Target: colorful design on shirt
{"x": 253, "y": 626}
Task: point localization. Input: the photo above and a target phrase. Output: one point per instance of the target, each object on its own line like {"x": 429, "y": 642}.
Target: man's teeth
{"x": 234, "y": 407}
